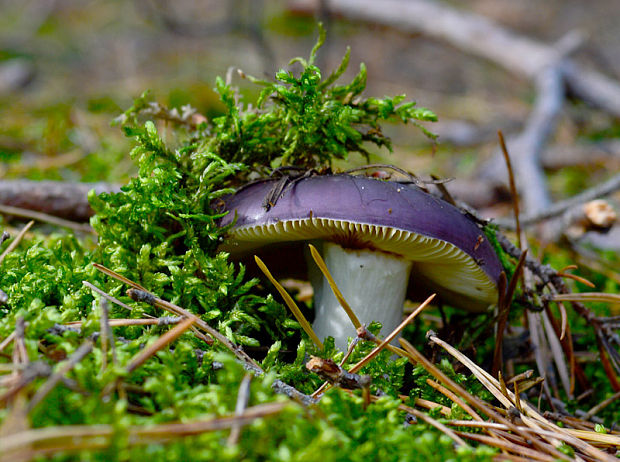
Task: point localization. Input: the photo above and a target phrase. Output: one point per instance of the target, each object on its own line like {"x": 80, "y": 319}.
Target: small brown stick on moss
{"x": 243, "y": 397}
{"x": 328, "y": 370}
{"x": 118, "y": 277}
{"x": 57, "y": 376}
{"x": 45, "y": 218}
{"x": 392, "y": 335}
{"x": 603, "y": 404}
{"x": 164, "y": 321}
{"x": 7, "y": 341}
{"x": 70, "y": 438}
{"x": 504, "y": 304}
{"x": 160, "y": 343}
{"x": 16, "y": 241}
{"x": 139, "y": 294}
{"x": 108, "y": 296}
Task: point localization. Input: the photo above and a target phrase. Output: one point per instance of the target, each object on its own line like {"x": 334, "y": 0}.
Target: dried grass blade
{"x": 49, "y": 440}
{"x": 439, "y": 426}
{"x": 587, "y": 297}
{"x": 504, "y": 311}
{"x": 392, "y": 336}
{"x": 513, "y": 186}
{"x": 57, "y": 376}
{"x": 118, "y": 277}
{"x": 452, "y": 396}
{"x": 537, "y": 338}
{"x": 46, "y": 218}
{"x": 508, "y": 446}
{"x": 343, "y": 303}
{"x": 558, "y": 356}
{"x": 7, "y": 341}
{"x": 574, "y": 277}
{"x": 106, "y": 295}
{"x": 416, "y": 357}
{"x": 161, "y": 342}
{"x": 16, "y": 241}
{"x": 305, "y": 325}
{"x": 530, "y": 416}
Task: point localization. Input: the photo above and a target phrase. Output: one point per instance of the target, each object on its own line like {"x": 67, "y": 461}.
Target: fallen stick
{"x": 61, "y": 199}
{"x": 480, "y": 36}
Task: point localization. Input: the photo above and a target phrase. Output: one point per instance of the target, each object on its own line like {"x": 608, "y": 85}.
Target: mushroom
{"x": 376, "y": 237}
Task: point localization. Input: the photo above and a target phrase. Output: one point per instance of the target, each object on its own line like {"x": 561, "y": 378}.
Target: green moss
{"x": 160, "y": 231}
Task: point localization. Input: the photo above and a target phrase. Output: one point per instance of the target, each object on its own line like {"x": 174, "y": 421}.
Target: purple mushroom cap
{"x": 449, "y": 250}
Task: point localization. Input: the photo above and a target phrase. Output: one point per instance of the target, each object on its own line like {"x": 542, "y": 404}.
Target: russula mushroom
{"x": 375, "y": 236}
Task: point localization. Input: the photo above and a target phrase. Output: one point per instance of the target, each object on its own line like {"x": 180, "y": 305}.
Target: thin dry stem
{"x": 392, "y": 336}
{"x": 16, "y": 241}
{"x": 305, "y": 325}
{"x": 603, "y": 404}
{"x": 45, "y": 218}
{"x": 586, "y": 297}
{"x": 530, "y": 416}
{"x": 452, "y": 396}
{"x": 513, "y": 186}
{"x": 118, "y": 277}
{"x": 108, "y": 296}
{"x": 7, "y": 341}
{"x": 135, "y": 322}
{"x": 160, "y": 343}
{"x": 49, "y": 440}
{"x": 243, "y": 397}
{"x": 57, "y": 376}
{"x": 343, "y": 303}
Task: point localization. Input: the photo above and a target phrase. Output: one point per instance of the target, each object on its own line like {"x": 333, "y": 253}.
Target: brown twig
{"x": 50, "y": 440}
{"x": 45, "y": 218}
{"x": 163, "y": 321}
{"x": 160, "y": 343}
{"x": 560, "y": 207}
{"x": 603, "y": 404}
{"x": 504, "y": 311}
{"x": 60, "y": 199}
{"x": 108, "y": 296}
{"x": 462, "y": 29}
{"x": 243, "y": 397}
{"x": 394, "y": 334}
{"x": 57, "y": 376}
{"x": 529, "y": 415}
{"x": 333, "y": 373}
{"x": 513, "y": 187}
{"x": 16, "y": 241}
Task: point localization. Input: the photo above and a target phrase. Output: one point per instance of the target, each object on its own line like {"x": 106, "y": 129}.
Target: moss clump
{"x": 161, "y": 232}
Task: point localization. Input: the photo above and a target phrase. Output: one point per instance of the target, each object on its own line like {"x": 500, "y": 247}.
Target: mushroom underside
{"x": 372, "y": 266}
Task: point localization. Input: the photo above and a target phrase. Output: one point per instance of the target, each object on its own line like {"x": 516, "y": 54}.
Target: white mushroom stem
{"x": 373, "y": 283}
